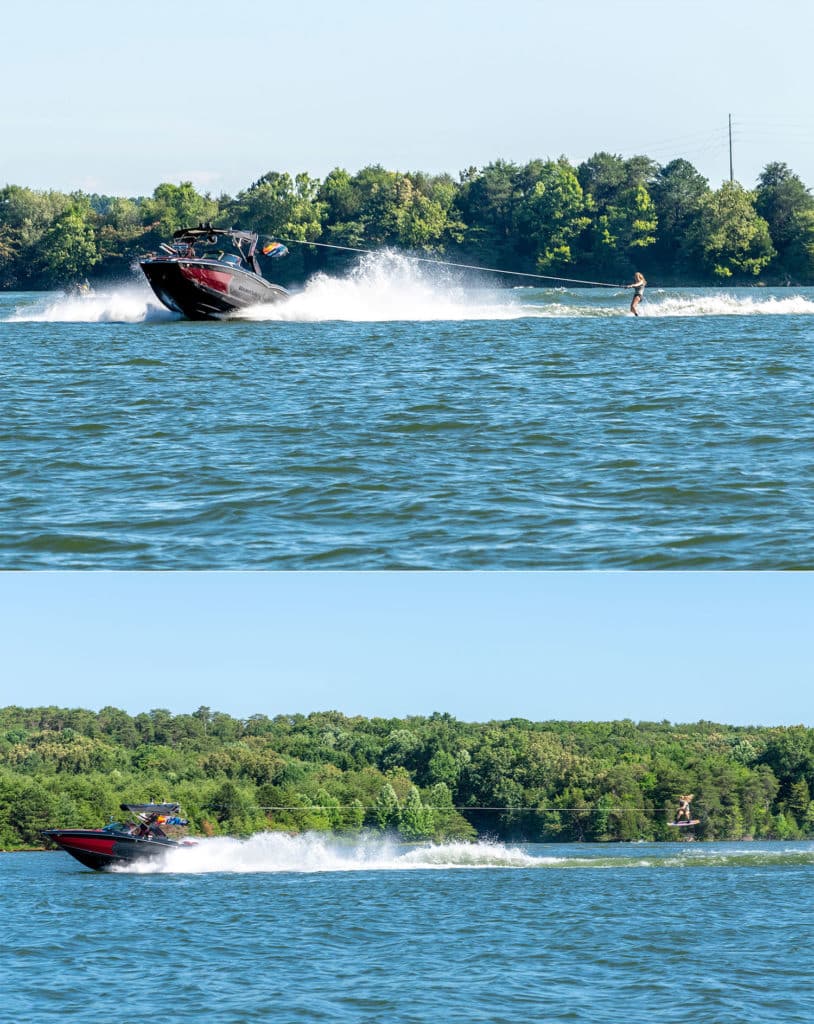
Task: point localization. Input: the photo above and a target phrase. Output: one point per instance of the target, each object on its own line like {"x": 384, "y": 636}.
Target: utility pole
{"x": 731, "y": 172}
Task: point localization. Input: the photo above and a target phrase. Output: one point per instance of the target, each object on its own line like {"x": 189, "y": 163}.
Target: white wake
{"x": 387, "y": 286}
{"x": 128, "y": 305}
{"x": 269, "y": 852}
{"x": 758, "y": 303}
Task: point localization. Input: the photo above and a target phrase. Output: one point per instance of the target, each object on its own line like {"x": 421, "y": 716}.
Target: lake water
{"x": 402, "y": 419}
{"x": 303, "y": 929}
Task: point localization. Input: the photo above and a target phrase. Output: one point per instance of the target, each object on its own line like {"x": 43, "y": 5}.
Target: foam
{"x": 387, "y": 286}
{"x": 317, "y": 852}
{"x": 269, "y": 852}
{"x": 129, "y": 305}
{"x": 726, "y": 304}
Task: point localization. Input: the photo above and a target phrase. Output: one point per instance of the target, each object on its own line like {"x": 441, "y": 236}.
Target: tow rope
{"x": 447, "y": 263}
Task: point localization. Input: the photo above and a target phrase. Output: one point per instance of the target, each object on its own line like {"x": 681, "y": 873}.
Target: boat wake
{"x": 309, "y": 853}
{"x": 268, "y": 852}
{"x": 387, "y": 286}
{"x": 129, "y": 305}
{"x": 665, "y": 304}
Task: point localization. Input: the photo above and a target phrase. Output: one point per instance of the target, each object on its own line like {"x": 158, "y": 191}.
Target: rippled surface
{"x": 664, "y": 933}
{"x": 397, "y": 420}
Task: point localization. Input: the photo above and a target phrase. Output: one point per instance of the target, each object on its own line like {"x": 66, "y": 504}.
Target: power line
{"x": 467, "y": 807}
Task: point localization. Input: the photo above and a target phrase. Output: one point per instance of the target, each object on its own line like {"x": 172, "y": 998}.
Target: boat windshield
{"x": 213, "y": 245}
{"x": 224, "y": 250}
{"x": 229, "y": 247}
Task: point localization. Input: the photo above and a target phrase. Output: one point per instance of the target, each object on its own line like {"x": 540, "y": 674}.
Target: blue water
{"x": 300, "y": 930}
{"x": 401, "y": 419}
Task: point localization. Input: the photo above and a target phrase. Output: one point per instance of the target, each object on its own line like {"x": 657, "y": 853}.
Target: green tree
{"x": 678, "y": 193}
{"x": 173, "y": 207}
{"x": 387, "y": 810}
{"x": 119, "y": 726}
{"x": 732, "y": 238}
{"x": 30, "y": 812}
{"x": 331, "y": 809}
{"x": 25, "y": 216}
{"x": 341, "y": 201}
{"x": 417, "y": 821}
{"x": 67, "y": 249}
{"x": 799, "y": 800}
{"x": 119, "y": 232}
{"x": 624, "y": 221}
{"x": 553, "y": 214}
{"x": 353, "y": 816}
{"x": 448, "y": 823}
{"x": 790, "y": 754}
{"x": 278, "y": 206}
{"x": 787, "y": 206}
{"x": 402, "y": 750}
{"x": 487, "y": 204}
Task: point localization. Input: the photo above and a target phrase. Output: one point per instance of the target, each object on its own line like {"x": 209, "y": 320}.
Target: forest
{"x": 599, "y": 221}
{"x": 420, "y": 778}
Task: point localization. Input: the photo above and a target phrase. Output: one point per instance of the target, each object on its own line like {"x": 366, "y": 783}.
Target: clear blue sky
{"x": 117, "y": 97}
{"x": 733, "y": 648}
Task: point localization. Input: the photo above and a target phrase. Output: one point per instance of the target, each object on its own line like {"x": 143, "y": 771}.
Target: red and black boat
{"x": 208, "y": 273}
{"x": 118, "y": 844}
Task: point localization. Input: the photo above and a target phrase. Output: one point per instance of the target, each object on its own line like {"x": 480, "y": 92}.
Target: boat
{"x": 208, "y": 273}
{"x": 120, "y": 843}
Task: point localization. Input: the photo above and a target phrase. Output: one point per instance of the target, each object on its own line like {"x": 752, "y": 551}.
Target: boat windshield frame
{"x": 216, "y": 241}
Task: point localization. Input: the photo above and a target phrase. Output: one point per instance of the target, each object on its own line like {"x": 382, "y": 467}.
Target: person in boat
{"x": 638, "y": 286}
{"x": 683, "y": 810}
{"x": 78, "y": 289}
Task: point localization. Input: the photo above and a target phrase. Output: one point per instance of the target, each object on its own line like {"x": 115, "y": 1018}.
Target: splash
{"x": 387, "y": 286}
{"x": 269, "y": 852}
{"x": 726, "y": 304}
{"x": 129, "y": 305}
{"x": 312, "y": 853}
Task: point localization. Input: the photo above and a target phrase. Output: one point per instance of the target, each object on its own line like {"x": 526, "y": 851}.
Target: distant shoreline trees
{"x": 599, "y": 220}
{"x": 423, "y": 777}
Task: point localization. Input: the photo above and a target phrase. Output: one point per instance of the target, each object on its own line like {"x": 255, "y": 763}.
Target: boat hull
{"x": 207, "y": 289}
{"x": 103, "y": 850}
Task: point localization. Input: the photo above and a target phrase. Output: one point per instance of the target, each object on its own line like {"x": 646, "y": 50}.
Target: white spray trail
{"x": 386, "y": 287}
{"x": 128, "y": 305}
{"x": 726, "y": 304}
{"x": 319, "y": 853}
{"x": 270, "y": 852}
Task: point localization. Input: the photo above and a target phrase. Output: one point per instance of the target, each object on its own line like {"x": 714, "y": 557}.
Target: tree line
{"x": 422, "y": 777}
{"x": 598, "y": 220}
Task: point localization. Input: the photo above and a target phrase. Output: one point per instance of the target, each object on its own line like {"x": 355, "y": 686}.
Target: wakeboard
{"x": 684, "y": 824}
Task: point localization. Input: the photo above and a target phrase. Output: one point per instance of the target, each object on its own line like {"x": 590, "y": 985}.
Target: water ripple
{"x": 520, "y": 441}
{"x": 298, "y": 929}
